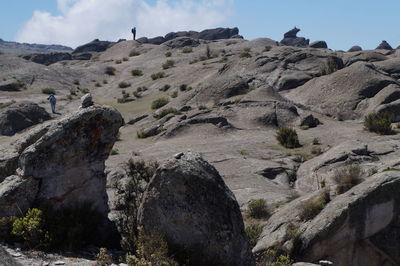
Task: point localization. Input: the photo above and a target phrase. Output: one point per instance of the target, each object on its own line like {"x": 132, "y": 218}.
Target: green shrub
{"x": 168, "y": 64}
{"x": 304, "y": 127}
{"x": 105, "y": 81}
{"x": 157, "y": 75}
{"x": 48, "y": 91}
{"x": 4, "y": 105}
{"x": 183, "y": 87}
{"x": 267, "y": 48}
{"x": 167, "y": 111}
{"x": 257, "y": 209}
{"x": 247, "y": 49}
{"x": 97, "y": 84}
{"x": 379, "y": 123}
{"x": 174, "y": 94}
{"x": 31, "y": 228}
{"x": 194, "y": 61}
{"x": 136, "y": 72}
{"x": 316, "y": 141}
{"x": 76, "y": 82}
{"x": 84, "y": 90}
{"x": 203, "y": 107}
{"x": 118, "y": 61}
{"x": 124, "y": 85}
{"x": 125, "y": 59}
{"x": 187, "y": 50}
{"x": 134, "y": 53}
{"x": 114, "y": 152}
{"x": 253, "y": 233}
{"x": 110, "y": 70}
{"x": 168, "y": 54}
{"x": 245, "y": 55}
{"x": 288, "y": 138}
{"x": 347, "y": 178}
{"x": 158, "y": 103}
{"x": 312, "y": 207}
{"x": 103, "y": 258}
{"x": 165, "y": 87}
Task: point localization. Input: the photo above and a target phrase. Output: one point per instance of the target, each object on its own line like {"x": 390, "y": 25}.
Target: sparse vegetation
{"x": 118, "y": 61}
{"x": 167, "y": 111}
{"x": 347, "y": 178}
{"x": 245, "y": 55}
{"x": 165, "y": 87}
{"x": 97, "y": 84}
{"x": 134, "y": 53}
{"x": 136, "y": 72}
{"x": 304, "y": 127}
{"x": 187, "y": 50}
{"x": 168, "y": 64}
{"x": 253, "y": 233}
{"x": 158, "y": 75}
{"x": 174, "y": 94}
{"x": 194, "y": 61}
{"x": 272, "y": 258}
{"x": 84, "y": 90}
{"x": 316, "y": 141}
{"x": 125, "y": 59}
{"x": 208, "y": 52}
{"x": 103, "y": 258}
{"x": 379, "y": 123}
{"x": 312, "y": 207}
{"x": 110, "y": 70}
{"x": 287, "y": 137}
{"x": 257, "y": 209}
{"x": 105, "y": 81}
{"x": 124, "y": 84}
{"x": 168, "y": 54}
{"x": 114, "y": 151}
{"x": 48, "y": 91}
{"x": 76, "y": 82}
{"x": 267, "y": 48}
{"x": 129, "y": 196}
{"x": 203, "y": 107}
{"x": 158, "y": 103}
{"x": 329, "y": 68}
{"x": 4, "y": 105}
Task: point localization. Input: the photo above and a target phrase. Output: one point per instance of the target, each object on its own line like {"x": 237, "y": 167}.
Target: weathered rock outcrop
{"x": 344, "y": 94}
{"x": 209, "y": 34}
{"x": 355, "y": 48}
{"x": 94, "y": 46}
{"x": 63, "y": 165}
{"x": 291, "y": 39}
{"x": 180, "y": 42}
{"x": 318, "y": 44}
{"x": 355, "y": 228}
{"x": 188, "y": 202}
{"x": 19, "y": 116}
{"x": 48, "y": 59}
{"x": 384, "y": 45}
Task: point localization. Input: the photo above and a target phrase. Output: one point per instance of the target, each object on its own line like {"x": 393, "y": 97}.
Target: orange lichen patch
{"x": 95, "y": 136}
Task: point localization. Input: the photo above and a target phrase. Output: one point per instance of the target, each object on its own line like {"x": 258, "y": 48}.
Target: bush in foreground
{"x": 257, "y": 209}
{"x": 253, "y": 233}
{"x": 347, "y": 178}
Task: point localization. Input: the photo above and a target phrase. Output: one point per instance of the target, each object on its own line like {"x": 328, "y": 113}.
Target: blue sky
{"x": 342, "y": 23}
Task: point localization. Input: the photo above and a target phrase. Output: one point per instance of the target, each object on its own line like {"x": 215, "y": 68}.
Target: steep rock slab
{"x": 341, "y": 93}
{"x": 188, "y": 202}
{"x": 350, "y": 230}
{"x": 67, "y": 162}
{"x": 19, "y": 116}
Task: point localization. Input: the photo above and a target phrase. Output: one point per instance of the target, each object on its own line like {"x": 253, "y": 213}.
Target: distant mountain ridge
{"x": 26, "y": 48}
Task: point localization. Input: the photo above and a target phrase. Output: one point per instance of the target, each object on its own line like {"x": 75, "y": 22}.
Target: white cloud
{"x": 81, "y": 21}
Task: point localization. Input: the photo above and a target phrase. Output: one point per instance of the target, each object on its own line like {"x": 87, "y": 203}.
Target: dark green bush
{"x": 110, "y": 70}
{"x": 48, "y": 91}
{"x": 134, "y": 53}
{"x": 245, "y": 55}
{"x": 168, "y": 54}
{"x": 136, "y": 72}
{"x": 160, "y": 102}
{"x": 31, "y": 228}
{"x": 287, "y": 137}
{"x": 168, "y": 64}
{"x": 124, "y": 84}
{"x": 158, "y": 75}
{"x": 257, "y": 209}
{"x": 379, "y": 123}
{"x": 174, "y": 94}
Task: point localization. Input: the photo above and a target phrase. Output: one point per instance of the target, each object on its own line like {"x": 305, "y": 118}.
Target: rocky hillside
{"x": 26, "y": 48}
{"x": 213, "y": 106}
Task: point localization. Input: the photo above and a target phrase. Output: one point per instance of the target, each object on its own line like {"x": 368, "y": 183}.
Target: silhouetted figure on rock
{"x": 134, "y": 33}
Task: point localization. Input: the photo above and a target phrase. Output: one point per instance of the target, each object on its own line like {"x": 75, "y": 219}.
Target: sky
{"x": 341, "y": 23}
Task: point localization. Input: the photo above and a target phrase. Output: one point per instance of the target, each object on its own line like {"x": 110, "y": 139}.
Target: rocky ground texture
{"x": 225, "y": 98}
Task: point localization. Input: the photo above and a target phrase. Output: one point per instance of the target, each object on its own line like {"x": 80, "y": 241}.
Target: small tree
{"x": 379, "y": 123}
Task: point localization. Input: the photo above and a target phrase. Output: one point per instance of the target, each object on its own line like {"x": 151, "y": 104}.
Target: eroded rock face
{"x": 188, "y": 201}
{"x": 19, "y": 116}
{"x": 353, "y": 229}
{"x": 290, "y": 39}
{"x": 94, "y": 46}
{"x": 65, "y": 165}
{"x": 48, "y": 59}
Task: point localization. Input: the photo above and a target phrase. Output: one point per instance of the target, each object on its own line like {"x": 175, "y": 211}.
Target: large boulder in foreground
{"x": 188, "y": 202}
{"x": 359, "y": 227}
{"x": 64, "y": 166}
{"x": 19, "y": 116}
{"x": 6, "y": 259}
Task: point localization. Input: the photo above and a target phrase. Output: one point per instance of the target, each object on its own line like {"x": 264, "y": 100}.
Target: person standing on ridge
{"x": 134, "y": 33}
{"x": 52, "y": 99}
